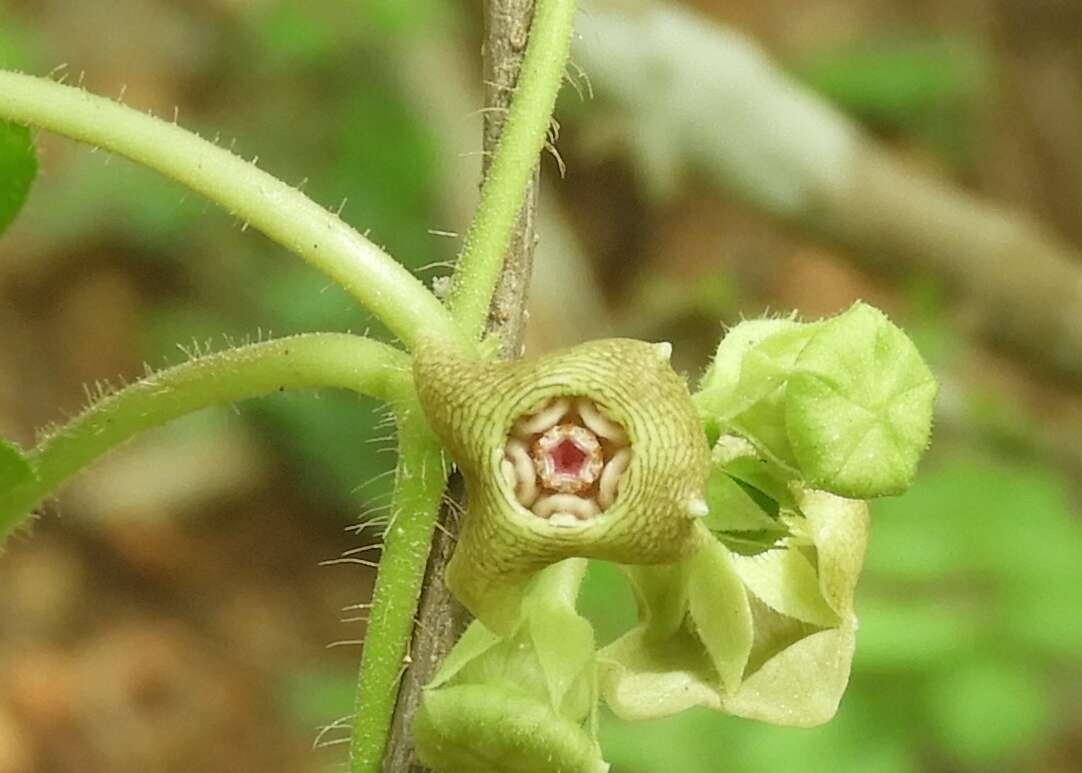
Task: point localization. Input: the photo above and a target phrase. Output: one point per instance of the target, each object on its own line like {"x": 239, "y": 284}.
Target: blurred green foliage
{"x": 923, "y": 87}
{"x": 18, "y": 166}
{"x": 18, "y": 160}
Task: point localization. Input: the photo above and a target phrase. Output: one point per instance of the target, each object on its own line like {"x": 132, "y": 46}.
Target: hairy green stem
{"x": 516, "y": 157}
{"x": 421, "y": 471}
{"x": 420, "y": 479}
{"x": 299, "y": 362}
{"x": 280, "y": 211}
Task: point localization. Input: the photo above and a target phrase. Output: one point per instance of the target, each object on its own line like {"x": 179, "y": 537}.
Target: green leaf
{"x": 18, "y": 166}
{"x": 858, "y": 408}
{"x": 499, "y": 729}
{"x": 15, "y": 468}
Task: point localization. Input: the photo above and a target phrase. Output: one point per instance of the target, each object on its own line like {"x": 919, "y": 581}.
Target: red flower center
{"x": 568, "y": 458}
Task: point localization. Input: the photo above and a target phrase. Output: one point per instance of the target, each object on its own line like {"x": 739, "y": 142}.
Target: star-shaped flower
{"x": 594, "y": 451}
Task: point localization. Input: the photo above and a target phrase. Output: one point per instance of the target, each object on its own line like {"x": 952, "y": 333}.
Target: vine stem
{"x": 408, "y": 547}
{"x": 298, "y": 362}
{"x": 420, "y": 478}
{"x": 513, "y": 165}
{"x": 280, "y": 211}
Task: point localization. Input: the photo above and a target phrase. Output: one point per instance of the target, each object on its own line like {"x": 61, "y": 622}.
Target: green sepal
{"x": 693, "y": 640}
{"x": 724, "y": 392}
{"x": 742, "y": 462}
{"x": 482, "y": 728}
{"x": 786, "y": 581}
{"x": 805, "y": 625}
{"x": 471, "y": 646}
{"x": 802, "y": 685}
{"x": 642, "y": 679}
{"x": 767, "y": 637}
{"x": 562, "y": 638}
{"x": 18, "y": 167}
{"x": 481, "y": 711}
{"x": 744, "y": 518}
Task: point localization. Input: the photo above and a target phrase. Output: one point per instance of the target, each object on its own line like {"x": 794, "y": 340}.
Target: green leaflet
{"x": 524, "y": 702}
{"x": 18, "y": 167}
{"x": 844, "y": 404}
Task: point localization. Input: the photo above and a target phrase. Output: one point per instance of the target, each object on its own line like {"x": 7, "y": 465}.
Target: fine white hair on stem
{"x": 342, "y": 723}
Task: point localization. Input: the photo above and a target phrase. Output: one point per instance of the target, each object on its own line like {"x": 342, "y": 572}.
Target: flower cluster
{"x": 741, "y": 531}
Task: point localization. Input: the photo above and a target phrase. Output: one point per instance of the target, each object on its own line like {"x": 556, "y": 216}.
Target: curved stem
{"x": 299, "y": 362}
{"x": 419, "y": 482}
{"x": 283, "y": 213}
{"x": 521, "y": 143}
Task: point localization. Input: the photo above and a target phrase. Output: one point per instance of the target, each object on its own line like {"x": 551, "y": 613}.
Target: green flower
{"x": 596, "y": 451}
{"x": 767, "y": 636}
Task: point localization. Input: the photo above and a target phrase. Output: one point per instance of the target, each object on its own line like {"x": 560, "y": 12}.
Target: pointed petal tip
{"x": 697, "y": 508}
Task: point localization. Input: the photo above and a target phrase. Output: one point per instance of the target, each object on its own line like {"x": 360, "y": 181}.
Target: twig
{"x": 441, "y": 619}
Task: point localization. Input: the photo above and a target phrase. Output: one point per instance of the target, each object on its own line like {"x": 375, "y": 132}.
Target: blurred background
{"x": 171, "y": 612}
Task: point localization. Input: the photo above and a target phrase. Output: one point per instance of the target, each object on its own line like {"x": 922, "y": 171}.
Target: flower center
{"x": 566, "y": 460}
